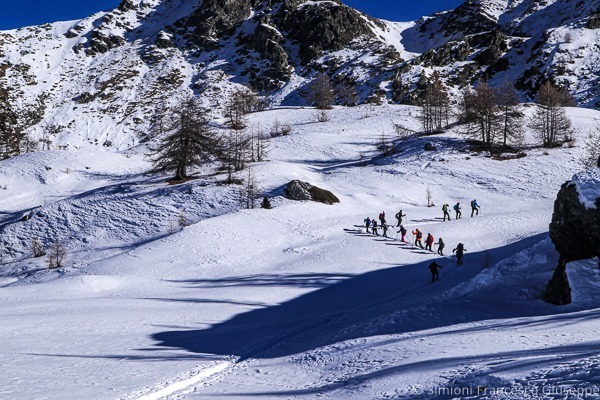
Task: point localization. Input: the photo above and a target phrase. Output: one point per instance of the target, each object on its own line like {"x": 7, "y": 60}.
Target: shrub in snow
{"x": 279, "y": 129}
{"x": 182, "y": 220}
{"x": 36, "y": 248}
{"x": 266, "y": 203}
{"x": 322, "y": 116}
{"x": 56, "y": 255}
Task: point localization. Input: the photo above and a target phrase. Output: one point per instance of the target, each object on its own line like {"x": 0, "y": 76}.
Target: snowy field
{"x": 296, "y": 302}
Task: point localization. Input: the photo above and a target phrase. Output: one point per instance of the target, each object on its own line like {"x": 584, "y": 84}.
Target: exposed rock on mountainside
{"x": 110, "y": 70}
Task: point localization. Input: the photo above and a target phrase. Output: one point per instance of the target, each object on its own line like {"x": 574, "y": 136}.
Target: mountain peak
{"x": 107, "y": 70}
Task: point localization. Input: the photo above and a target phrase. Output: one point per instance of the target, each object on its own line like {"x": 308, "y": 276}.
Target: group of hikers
{"x": 458, "y": 210}
{"x": 372, "y": 225}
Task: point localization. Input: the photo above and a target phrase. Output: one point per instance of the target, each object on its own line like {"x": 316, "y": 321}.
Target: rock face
{"x": 214, "y": 18}
{"x": 143, "y": 53}
{"x": 312, "y": 27}
{"x": 321, "y": 26}
{"x": 575, "y": 229}
{"x": 298, "y": 190}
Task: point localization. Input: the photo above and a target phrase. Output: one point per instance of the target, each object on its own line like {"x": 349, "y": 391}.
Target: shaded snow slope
{"x": 296, "y": 301}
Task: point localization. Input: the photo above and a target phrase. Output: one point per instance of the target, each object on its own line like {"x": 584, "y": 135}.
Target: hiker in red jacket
{"x": 429, "y": 242}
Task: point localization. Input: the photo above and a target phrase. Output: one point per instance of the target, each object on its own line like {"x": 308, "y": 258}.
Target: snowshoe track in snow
{"x": 195, "y": 378}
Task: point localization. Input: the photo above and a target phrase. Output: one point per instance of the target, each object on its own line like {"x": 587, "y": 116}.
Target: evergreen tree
{"x": 266, "y": 203}
{"x": 188, "y": 140}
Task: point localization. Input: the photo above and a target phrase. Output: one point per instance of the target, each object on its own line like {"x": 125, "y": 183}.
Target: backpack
{"x": 419, "y": 235}
{"x": 381, "y": 216}
{"x": 472, "y": 203}
{"x": 456, "y": 207}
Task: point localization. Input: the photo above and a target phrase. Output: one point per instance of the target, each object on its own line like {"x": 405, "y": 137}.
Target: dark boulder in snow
{"x": 298, "y": 190}
{"x": 575, "y": 228}
{"x": 429, "y": 146}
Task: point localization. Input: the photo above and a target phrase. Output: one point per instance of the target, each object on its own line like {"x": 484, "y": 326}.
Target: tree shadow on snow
{"x": 340, "y": 308}
{"x": 315, "y": 280}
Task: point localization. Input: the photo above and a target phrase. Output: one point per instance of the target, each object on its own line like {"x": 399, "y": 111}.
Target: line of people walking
{"x": 458, "y": 210}
{"x": 372, "y": 225}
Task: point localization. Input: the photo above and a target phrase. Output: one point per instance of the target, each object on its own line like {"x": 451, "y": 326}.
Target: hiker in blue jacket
{"x": 474, "y": 207}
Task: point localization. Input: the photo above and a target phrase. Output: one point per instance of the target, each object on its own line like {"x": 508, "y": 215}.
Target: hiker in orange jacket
{"x": 419, "y": 237}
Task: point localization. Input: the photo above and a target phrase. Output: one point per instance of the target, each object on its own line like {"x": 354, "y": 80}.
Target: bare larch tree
{"x": 550, "y": 120}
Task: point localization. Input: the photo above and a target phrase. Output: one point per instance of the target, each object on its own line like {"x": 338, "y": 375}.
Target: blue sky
{"x": 14, "y": 14}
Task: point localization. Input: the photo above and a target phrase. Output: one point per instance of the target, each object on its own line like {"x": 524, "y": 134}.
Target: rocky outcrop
{"x": 575, "y": 229}
{"x": 278, "y": 31}
{"x": 594, "y": 21}
{"x": 216, "y": 18}
{"x": 318, "y": 27}
{"x": 101, "y": 42}
{"x": 164, "y": 40}
{"x": 268, "y": 42}
{"x": 467, "y": 19}
{"x": 558, "y": 290}
{"x": 126, "y": 5}
{"x": 298, "y": 190}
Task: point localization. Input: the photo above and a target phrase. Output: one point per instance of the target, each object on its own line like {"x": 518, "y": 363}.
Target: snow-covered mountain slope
{"x": 100, "y": 79}
{"x": 296, "y": 301}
